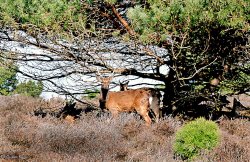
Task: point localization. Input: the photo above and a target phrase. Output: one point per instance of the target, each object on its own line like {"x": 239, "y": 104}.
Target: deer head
{"x": 124, "y": 86}
{"x": 105, "y": 81}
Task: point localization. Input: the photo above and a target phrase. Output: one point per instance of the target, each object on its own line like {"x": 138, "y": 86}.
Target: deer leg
{"x": 114, "y": 113}
{"x": 156, "y": 111}
{"x": 145, "y": 116}
{"x": 147, "y": 119}
{"x": 155, "y": 107}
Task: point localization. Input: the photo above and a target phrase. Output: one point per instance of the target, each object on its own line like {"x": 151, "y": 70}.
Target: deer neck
{"x": 103, "y": 97}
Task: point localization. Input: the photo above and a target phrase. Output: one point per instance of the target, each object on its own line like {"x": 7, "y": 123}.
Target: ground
{"x": 98, "y": 137}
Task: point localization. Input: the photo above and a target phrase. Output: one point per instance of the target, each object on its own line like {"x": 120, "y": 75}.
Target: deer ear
{"x": 112, "y": 75}
{"x": 124, "y": 82}
{"x": 98, "y": 78}
{"x": 97, "y": 74}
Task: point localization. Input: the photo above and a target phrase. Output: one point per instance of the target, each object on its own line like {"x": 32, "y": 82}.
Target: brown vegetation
{"x": 26, "y": 137}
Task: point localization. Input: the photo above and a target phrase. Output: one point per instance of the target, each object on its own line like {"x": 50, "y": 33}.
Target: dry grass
{"x": 25, "y": 137}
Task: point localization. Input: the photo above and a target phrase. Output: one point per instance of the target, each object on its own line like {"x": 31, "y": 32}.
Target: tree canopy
{"x": 43, "y": 16}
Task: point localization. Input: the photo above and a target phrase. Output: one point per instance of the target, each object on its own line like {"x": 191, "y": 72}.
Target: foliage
{"x": 166, "y": 17}
{"x": 55, "y": 15}
{"x": 9, "y": 83}
{"x": 8, "y": 80}
{"x": 196, "y": 136}
{"x": 239, "y": 82}
{"x": 29, "y": 88}
{"x": 91, "y": 93}
{"x": 111, "y": 1}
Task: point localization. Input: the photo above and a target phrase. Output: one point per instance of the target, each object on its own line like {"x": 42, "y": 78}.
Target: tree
{"x": 8, "y": 80}
{"x": 197, "y": 40}
{"x": 29, "y": 88}
{"x": 204, "y": 38}
{"x": 9, "y": 84}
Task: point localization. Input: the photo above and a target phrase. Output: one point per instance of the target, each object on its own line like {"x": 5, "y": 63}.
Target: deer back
{"x": 128, "y": 100}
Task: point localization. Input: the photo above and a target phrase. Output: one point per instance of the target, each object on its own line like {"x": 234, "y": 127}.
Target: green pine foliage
{"x": 8, "y": 80}
{"x": 164, "y": 17}
{"x": 55, "y": 15}
{"x": 29, "y": 88}
{"x": 196, "y": 136}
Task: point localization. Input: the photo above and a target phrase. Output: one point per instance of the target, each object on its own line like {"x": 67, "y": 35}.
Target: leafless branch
{"x": 197, "y": 71}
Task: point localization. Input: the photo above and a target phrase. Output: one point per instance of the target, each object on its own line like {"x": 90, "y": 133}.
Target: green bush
{"x": 195, "y": 136}
{"x": 91, "y": 93}
{"x": 8, "y": 80}
{"x": 9, "y": 83}
{"x": 29, "y": 88}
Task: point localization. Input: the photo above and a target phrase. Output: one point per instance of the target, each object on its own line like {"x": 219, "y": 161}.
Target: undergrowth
{"x": 25, "y": 137}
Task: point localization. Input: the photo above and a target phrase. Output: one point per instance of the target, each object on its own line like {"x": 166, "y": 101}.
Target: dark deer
{"x": 155, "y": 104}
{"x": 124, "y": 86}
{"x": 138, "y": 100}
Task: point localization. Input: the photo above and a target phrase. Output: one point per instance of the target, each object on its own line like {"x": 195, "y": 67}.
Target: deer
{"x": 124, "y": 86}
{"x": 155, "y": 105}
{"x": 138, "y": 100}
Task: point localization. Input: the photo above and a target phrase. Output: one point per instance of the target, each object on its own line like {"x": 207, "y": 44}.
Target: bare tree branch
{"x": 197, "y": 71}
{"x": 123, "y": 21}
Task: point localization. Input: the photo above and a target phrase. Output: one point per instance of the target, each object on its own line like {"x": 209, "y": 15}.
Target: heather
{"x": 97, "y": 137}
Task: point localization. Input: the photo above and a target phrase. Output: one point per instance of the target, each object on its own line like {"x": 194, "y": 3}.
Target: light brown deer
{"x": 138, "y": 100}
{"x": 155, "y": 104}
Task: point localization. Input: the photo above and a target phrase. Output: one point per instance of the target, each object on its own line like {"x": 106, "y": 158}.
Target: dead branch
{"x": 197, "y": 71}
{"x": 123, "y": 22}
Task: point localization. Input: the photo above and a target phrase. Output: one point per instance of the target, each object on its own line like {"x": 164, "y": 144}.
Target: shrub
{"x": 9, "y": 83}
{"x": 196, "y": 136}
{"x": 8, "y": 80}
{"x": 29, "y": 88}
